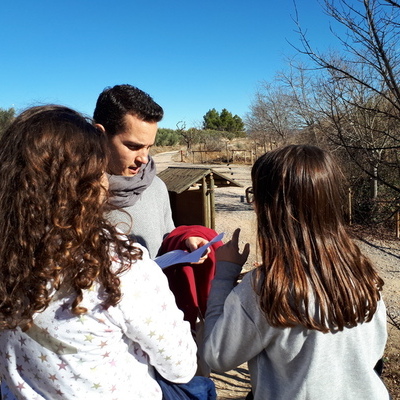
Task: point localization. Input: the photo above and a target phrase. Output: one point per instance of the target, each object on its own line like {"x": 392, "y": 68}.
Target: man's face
{"x": 130, "y": 149}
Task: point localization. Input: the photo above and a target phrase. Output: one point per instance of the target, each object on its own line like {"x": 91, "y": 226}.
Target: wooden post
{"x": 205, "y": 201}
{"x": 212, "y": 202}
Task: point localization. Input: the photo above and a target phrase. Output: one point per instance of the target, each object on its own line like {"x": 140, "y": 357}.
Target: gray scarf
{"x": 126, "y": 190}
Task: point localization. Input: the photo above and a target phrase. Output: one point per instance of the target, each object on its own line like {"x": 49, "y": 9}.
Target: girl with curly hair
{"x": 84, "y": 314}
{"x": 310, "y": 320}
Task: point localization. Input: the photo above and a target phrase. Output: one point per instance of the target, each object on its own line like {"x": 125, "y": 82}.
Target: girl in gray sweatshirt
{"x": 310, "y": 320}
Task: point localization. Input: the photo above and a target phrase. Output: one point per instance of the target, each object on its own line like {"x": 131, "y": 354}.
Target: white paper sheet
{"x": 181, "y": 256}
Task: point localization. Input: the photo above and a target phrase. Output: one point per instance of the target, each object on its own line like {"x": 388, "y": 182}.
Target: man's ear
{"x": 100, "y": 127}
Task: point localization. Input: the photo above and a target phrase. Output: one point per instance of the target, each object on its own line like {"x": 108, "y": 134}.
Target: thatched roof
{"x": 179, "y": 179}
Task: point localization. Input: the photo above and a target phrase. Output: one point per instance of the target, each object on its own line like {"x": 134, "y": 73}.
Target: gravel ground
{"x": 233, "y": 212}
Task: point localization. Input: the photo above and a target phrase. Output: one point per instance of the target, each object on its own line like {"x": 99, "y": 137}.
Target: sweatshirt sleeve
{"x": 231, "y": 336}
{"x": 148, "y": 315}
{"x": 165, "y": 201}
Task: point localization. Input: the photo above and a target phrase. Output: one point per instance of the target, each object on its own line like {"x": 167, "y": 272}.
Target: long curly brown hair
{"x": 312, "y": 274}
{"x": 52, "y": 226}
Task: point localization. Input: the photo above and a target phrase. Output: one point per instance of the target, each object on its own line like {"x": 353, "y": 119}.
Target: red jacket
{"x": 190, "y": 283}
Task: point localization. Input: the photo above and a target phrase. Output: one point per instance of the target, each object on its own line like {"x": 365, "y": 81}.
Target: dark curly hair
{"x": 115, "y": 102}
{"x": 52, "y": 228}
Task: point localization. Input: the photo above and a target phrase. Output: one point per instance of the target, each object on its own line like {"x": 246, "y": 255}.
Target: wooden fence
{"x": 207, "y": 156}
{"x": 248, "y": 157}
{"x": 396, "y": 213}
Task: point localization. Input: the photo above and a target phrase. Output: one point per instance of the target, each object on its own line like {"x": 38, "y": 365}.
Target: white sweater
{"x": 102, "y": 354}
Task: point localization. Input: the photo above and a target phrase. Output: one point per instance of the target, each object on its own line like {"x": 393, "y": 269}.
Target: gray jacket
{"x": 290, "y": 363}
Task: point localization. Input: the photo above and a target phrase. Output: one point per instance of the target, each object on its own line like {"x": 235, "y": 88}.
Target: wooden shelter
{"x": 191, "y": 193}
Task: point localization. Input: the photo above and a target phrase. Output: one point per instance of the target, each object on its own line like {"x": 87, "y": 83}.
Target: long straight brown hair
{"x": 312, "y": 273}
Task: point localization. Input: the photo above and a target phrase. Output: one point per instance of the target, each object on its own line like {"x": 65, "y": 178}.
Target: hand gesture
{"x": 230, "y": 250}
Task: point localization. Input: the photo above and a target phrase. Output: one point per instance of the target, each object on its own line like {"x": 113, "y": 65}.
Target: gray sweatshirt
{"x": 290, "y": 363}
{"x": 149, "y": 220}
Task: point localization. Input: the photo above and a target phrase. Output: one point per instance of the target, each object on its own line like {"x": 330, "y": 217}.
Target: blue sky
{"x": 190, "y": 56}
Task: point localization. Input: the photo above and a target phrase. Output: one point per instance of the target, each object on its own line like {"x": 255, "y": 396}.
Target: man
{"x": 130, "y": 118}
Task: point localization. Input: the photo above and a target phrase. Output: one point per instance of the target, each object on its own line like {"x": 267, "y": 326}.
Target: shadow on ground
{"x": 233, "y": 384}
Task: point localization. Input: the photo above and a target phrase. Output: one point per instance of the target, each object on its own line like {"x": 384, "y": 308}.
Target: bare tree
{"x": 302, "y": 87}
{"x": 189, "y": 136}
{"x": 271, "y": 118}
{"x": 359, "y": 91}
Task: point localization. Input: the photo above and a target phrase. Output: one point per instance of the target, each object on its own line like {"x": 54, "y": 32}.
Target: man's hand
{"x": 230, "y": 250}
{"x": 193, "y": 243}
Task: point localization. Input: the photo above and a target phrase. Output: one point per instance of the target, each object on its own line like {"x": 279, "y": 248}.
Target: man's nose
{"x": 143, "y": 156}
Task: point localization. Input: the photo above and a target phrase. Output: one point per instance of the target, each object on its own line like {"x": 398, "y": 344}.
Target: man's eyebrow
{"x": 136, "y": 144}
{"x": 131, "y": 143}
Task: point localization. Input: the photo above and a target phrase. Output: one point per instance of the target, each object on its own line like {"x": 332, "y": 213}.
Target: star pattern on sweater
{"x": 62, "y": 365}
{"x": 59, "y": 353}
